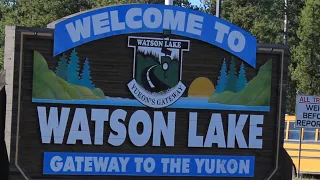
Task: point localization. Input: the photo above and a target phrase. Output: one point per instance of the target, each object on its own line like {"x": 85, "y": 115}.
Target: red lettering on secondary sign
{"x": 316, "y": 99}
{"x": 304, "y": 100}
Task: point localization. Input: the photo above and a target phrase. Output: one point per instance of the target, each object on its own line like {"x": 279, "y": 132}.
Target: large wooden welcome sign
{"x": 145, "y": 92}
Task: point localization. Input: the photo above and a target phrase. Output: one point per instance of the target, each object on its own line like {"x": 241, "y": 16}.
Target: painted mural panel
{"x": 157, "y": 82}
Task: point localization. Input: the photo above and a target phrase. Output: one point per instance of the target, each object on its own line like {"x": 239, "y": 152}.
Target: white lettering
{"x": 209, "y": 165}
{"x": 165, "y": 162}
{"x": 131, "y": 14}
{"x": 138, "y": 162}
{"x": 88, "y": 164}
{"x": 220, "y": 166}
{"x": 160, "y": 127}
{"x": 255, "y": 131}
{"x": 239, "y": 37}
{"x": 149, "y": 164}
{"x": 199, "y": 163}
{"x": 236, "y": 40}
{"x": 244, "y": 167}
{"x": 174, "y": 22}
{"x": 56, "y": 164}
{"x": 69, "y": 165}
{"x": 232, "y": 166}
{"x": 79, "y": 160}
{"x": 222, "y": 30}
{"x": 185, "y": 165}
{"x": 194, "y": 25}
{"x": 193, "y": 139}
{"x": 118, "y": 127}
{"x": 215, "y": 126}
{"x": 175, "y": 165}
{"x": 99, "y": 116}
{"x": 156, "y": 13}
{"x": 115, "y": 24}
{"x": 100, "y": 23}
{"x": 141, "y": 127}
{"x": 80, "y": 120}
{"x": 235, "y": 131}
{"x": 136, "y": 138}
{"x": 100, "y": 164}
{"x": 53, "y": 125}
{"x": 75, "y": 32}
{"x": 124, "y": 162}
{"x": 113, "y": 166}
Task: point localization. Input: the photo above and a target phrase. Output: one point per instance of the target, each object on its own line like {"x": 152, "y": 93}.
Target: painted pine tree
{"x": 222, "y": 79}
{"x": 86, "y": 76}
{"x": 73, "y": 68}
{"x": 61, "y": 70}
{"x": 242, "y": 80}
{"x": 232, "y": 77}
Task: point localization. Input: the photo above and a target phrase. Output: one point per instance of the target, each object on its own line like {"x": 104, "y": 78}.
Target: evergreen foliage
{"x": 86, "y": 76}
{"x": 62, "y": 68}
{"x": 242, "y": 80}
{"x": 223, "y": 78}
{"x": 306, "y": 55}
{"x": 73, "y": 68}
{"x": 232, "y": 77}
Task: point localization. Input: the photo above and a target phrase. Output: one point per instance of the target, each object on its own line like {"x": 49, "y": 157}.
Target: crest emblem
{"x": 157, "y": 69}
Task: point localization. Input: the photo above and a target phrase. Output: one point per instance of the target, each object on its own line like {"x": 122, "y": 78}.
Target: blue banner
{"x": 153, "y": 18}
{"x": 64, "y": 163}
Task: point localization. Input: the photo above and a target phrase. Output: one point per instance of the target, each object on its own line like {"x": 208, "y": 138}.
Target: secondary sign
{"x": 307, "y": 111}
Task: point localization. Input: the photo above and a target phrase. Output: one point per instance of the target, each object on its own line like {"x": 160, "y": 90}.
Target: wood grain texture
{"x": 111, "y": 65}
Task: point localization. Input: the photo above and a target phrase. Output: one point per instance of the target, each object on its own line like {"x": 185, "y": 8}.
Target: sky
{"x": 195, "y": 2}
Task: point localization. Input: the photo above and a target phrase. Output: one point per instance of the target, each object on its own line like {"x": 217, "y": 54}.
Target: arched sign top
{"x": 154, "y": 18}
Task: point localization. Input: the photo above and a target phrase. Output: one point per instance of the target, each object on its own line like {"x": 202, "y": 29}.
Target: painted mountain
{"x": 255, "y": 93}
{"x": 50, "y": 85}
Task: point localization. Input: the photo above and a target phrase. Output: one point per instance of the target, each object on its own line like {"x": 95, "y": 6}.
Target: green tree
{"x": 242, "y": 80}
{"x": 263, "y": 18}
{"x": 86, "y": 76}
{"x": 36, "y": 13}
{"x": 232, "y": 77}
{"x": 208, "y": 6}
{"x": 61, "y": 70}
{"x": 306, "y": 54}
{"x": 7, "y": 9}
{"x": 294, "y": 16}
{"x": 223, "y": 78}
{"x": 73, "y": 69}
